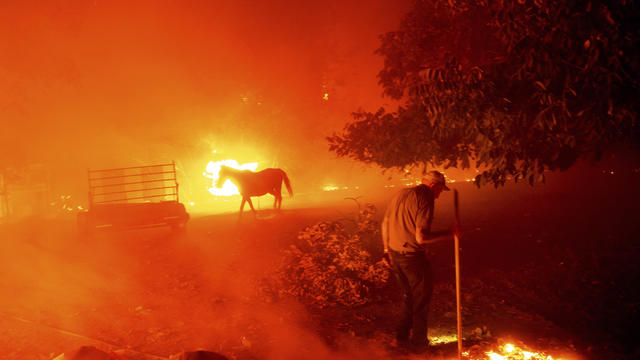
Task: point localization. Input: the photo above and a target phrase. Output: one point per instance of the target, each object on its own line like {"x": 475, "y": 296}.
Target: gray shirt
{"x": 410, "y": 209}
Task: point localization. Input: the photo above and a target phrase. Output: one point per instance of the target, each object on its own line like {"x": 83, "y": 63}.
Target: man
{"x": 406, "y": 228}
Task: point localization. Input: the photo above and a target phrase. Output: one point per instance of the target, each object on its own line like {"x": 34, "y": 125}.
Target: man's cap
{"x": 435, "y": 177}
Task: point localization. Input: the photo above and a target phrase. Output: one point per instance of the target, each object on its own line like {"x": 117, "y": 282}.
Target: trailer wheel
{"x": 179, "y": 228}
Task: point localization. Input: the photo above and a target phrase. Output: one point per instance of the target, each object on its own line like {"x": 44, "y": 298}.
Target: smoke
{"x": 100, "y": 84}
{"x": 157, "y": 294}
{"x": 97, "y": 84}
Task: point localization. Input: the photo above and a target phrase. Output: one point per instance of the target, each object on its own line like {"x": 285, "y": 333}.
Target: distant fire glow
{"x": 228, "y": 188}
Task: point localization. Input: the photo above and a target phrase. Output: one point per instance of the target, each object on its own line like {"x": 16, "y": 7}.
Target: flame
{"x": 506, "y": 351}
{"x": 509, "y": 351}
{"x": 494, "y": 356}
{"x": 443, "y": 339}
{"x": 64, "y": 203}
{"x": 228, "y": 188}
{"x": 330, "y": 188}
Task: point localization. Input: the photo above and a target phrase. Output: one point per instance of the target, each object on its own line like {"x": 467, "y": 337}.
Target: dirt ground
{"x": 553, "y": 268}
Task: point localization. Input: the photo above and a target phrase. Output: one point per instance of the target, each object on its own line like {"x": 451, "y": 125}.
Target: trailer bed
{"x": 133, "y": 197}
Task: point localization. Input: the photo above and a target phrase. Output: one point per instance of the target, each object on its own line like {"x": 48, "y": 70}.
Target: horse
{"x": 249, "y": 183}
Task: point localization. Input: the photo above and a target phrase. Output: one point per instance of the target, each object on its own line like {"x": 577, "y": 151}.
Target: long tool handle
{"x": 457, "y": 256}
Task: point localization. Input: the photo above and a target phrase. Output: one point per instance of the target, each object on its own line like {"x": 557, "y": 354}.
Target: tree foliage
{"x": 514, "y": 88}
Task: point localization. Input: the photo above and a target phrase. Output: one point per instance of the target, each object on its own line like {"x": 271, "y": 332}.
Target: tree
{"x": 515, "y": 87}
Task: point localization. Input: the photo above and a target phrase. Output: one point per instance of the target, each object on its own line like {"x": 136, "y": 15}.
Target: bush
{"x": 330, "y": 265}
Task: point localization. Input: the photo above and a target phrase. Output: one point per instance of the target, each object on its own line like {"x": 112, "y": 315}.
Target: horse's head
{"x": 223, "y": 175}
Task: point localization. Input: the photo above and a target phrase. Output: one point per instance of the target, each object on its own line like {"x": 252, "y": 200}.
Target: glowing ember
{"x": 443, "y": 339}
{"x": 509, "y": 352}
{"x": 228, "y": 188}
{"x": 494, "y": 356}
{"x": 63, "y": 202}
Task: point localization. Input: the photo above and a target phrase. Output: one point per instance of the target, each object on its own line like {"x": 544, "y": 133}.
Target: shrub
{"x": 329, "y": 265}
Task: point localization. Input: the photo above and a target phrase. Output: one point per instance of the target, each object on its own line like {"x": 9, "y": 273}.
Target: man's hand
{"x": 386, "y": 258}
{"x": 437, "y": 236}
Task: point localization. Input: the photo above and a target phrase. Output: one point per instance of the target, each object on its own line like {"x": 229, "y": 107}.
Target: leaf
{"x": 541, "y": 85}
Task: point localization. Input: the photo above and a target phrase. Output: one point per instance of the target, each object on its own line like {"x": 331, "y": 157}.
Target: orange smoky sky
{"x": 95, "y": 84}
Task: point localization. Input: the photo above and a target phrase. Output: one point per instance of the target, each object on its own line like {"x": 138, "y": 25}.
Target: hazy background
{"x": 98, "y": 84}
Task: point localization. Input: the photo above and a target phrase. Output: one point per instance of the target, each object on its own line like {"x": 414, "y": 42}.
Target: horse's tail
{"x": 285, "y": 178}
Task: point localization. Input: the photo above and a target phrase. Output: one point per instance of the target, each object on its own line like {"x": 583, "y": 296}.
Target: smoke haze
{"x": 98, "y": 84}
{"x": 101, "y": 84}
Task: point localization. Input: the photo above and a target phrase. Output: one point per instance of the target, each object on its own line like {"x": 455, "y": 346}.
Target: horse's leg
{"x": 277, "y": 202}
{"x": 251, "y": 205}
{"x": 242, "y": 206}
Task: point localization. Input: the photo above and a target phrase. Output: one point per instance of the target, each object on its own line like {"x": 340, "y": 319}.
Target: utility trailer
{"x": 133, "y": 197}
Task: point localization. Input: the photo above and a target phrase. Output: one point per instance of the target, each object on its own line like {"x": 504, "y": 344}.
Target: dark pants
{"x": 414, "y": 276}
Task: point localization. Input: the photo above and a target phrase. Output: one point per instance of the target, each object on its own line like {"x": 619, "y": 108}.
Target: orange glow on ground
{"x": 509, "y": 351}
